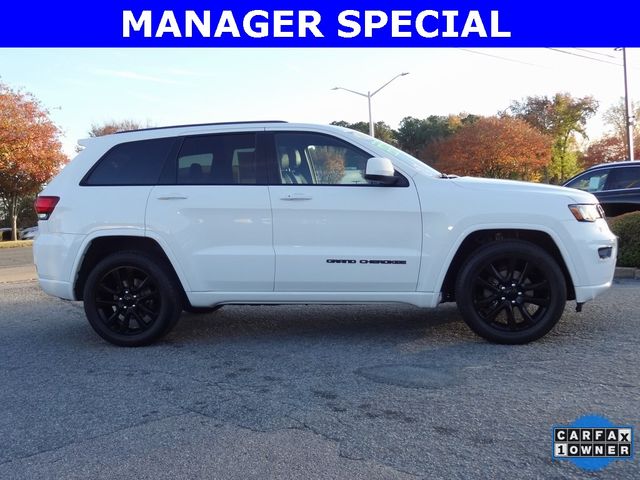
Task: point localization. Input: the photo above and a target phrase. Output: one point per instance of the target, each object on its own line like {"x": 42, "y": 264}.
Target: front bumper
{"x": 586, "y": 293}
{"x": 592, "y": 274}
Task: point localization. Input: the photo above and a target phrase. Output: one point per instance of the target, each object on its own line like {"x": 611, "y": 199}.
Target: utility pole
{"x": 630, "y": 116}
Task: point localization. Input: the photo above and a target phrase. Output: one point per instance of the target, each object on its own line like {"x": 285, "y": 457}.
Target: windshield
{"x": 393, "y": 152}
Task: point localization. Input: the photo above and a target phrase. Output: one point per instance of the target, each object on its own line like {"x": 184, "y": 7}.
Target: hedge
{"x": 627, "y": 228}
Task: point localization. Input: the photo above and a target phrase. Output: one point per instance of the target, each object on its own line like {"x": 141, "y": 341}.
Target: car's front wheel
{"x": 511, "y": 292}
{"x": 131, "y": 299}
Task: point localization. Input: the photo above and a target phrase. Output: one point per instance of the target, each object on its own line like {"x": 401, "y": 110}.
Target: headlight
{"x": 586, "y": 212}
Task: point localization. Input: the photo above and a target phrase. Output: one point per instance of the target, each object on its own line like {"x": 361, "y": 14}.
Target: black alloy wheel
{"x": 127, "y": 300}
{"x": 131, "y": 299}
{"x": 511, "y": 292}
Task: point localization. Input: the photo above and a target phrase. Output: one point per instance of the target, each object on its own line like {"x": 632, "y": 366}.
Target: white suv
{"x": 145, "y": 224}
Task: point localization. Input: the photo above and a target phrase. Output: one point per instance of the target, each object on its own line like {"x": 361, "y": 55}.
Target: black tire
{"x": 131, "y": 299}
{"x": 201, "y": 310}
{"x": 511, "y": 292}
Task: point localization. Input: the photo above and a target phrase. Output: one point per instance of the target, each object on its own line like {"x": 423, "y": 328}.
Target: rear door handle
{"x": 296, "y": 196}
{"x": 172, "y": 197}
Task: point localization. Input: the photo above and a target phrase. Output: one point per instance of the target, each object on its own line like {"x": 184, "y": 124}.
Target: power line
{"x": 500, "y": 58}
{"x": 597, "y": 53}
{"x": 585, "y": 56}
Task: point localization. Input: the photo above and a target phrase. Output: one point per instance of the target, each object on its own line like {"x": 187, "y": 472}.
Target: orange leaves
{"x": 495, "y": 147}
{"x": 30, "y": 152}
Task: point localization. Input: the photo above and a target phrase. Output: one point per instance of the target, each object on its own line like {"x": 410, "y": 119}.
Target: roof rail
{"x": 199, "y": 125}
{"x": 619, "y": 163}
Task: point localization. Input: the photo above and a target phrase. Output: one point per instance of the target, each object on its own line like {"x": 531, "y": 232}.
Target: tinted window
{"x": 219, "y": 160}
{"x": 132, "y": 163}
{"x": 623, "y": 177}
{"x": 307, "y": 158}
{"x": 590, "y": 181}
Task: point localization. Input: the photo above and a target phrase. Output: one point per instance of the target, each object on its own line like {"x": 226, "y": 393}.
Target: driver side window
{"x": 591, "y": 182}
{"x": 308, "y": 158}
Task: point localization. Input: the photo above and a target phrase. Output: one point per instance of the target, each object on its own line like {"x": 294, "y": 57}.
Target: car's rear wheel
{"x": 131, "y": 299}
{"x": 511, "y": 292}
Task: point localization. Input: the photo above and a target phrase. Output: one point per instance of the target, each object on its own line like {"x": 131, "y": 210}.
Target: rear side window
{"x": 623, "y": 177}
{"x": 131, "y": 163}
{"x": 227, "y": 159}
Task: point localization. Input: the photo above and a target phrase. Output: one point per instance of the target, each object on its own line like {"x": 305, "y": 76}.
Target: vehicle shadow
{"x": 373, "y": 322}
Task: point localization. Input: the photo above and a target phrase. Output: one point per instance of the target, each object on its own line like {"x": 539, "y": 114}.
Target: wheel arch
{"x": 98, "y": 247}
{"x": 479, "y": 237}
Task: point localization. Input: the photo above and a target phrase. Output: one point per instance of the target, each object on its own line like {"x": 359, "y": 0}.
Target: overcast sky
{"x": 174, "y": 86}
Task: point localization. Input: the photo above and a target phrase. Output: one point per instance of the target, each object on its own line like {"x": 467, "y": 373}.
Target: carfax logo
{"x": 592, "y": 442}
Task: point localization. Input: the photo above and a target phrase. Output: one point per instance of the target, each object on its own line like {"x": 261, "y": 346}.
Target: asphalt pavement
{"x": 342, "y": 392}
{"x": 16, "y": 264}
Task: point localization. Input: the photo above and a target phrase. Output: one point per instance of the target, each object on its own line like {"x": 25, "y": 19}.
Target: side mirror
{"x": 381, "y": 170}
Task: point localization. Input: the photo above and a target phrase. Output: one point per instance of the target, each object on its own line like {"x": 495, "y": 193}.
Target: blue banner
{"x": 305, "y": 23}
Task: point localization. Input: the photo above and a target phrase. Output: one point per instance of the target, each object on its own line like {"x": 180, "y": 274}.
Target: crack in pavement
{"x": 88, "y": 439}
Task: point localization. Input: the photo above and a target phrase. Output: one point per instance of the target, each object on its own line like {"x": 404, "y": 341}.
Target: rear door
{"x": 333, "y": 230}
{"x": 214, "y": 213}
{"x": 622, "y": 189}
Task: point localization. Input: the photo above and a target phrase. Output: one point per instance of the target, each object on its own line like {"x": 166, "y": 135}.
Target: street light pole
{"x": 371, "y": 132}
{"x": 369, "y": 95}
{"x": 628, "y": 107}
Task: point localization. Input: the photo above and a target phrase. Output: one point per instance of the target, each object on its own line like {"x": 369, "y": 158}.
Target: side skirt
{"x": 210, "y": 299}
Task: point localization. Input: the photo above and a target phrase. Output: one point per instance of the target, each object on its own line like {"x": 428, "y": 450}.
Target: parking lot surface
{"x": 308, "y": 392}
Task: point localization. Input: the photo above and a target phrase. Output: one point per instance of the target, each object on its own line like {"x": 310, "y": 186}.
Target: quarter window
{"x": 227, "y": 159}
{"x": 131, "y": 163}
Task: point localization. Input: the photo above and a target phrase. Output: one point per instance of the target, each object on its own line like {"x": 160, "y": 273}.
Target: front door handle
{"x": 296, "y": 196}
{"x": 172, "y": 197}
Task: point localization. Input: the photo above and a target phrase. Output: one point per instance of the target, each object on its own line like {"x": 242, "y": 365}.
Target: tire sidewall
{"x": 527, "y": 251}
{"x": 170, "y": 307}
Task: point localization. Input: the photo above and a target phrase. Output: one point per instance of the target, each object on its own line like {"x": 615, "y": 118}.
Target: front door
{"x": 334, "y": 231}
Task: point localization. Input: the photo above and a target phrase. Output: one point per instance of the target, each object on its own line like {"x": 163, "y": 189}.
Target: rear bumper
{"x": 55, "y": 255}
{"x": 57, "y": 288}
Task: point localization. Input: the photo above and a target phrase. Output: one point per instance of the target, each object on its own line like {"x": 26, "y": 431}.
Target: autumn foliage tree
{"x": 495, "y": 147}
{"x": 30, "y": 150}
{"x": 609, "y": 148}
{"x": 382, "y": 131}
{"x": 563, "y": 117}
{"x": 612, "y": 147}
{"x": 113, "y": 126}
{"x": 417, "y": 135}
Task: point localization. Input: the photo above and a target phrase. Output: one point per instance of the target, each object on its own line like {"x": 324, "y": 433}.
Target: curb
{"x": 627, "y": 272}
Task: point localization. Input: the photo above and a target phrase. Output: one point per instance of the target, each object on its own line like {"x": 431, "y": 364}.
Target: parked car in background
{"x": 5, "y": 234}
{"x": 28, "y": 233}
{"x": 616, "y": 185}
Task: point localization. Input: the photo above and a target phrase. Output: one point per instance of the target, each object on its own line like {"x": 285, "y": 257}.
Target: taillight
{"x": 44, "y": 206}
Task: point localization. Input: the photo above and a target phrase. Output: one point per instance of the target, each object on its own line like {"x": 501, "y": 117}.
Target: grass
{"x": 18, "y": 244}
